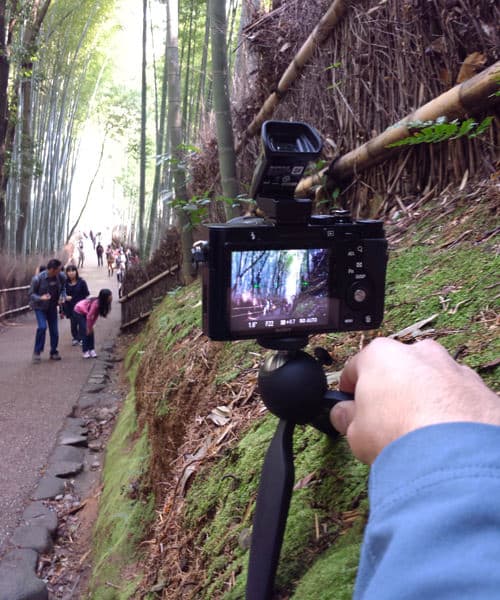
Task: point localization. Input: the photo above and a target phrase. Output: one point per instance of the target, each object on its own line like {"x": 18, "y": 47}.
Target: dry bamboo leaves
{"x": 415, "y": 330}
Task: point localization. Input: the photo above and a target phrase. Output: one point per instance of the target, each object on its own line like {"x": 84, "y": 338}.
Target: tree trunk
{"x": 142, "y": 176}
{"x": 160, "y": 142}
{"x": 222, "y": 106}
{"x": 174, "y": 133}
{"x": 4, "y": 81}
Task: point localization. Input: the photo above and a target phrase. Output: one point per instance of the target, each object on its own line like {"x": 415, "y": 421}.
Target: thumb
{"x": 341, "y": 416}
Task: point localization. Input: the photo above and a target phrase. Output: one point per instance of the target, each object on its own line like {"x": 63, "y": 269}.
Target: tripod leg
{"x": 271, "y": 511}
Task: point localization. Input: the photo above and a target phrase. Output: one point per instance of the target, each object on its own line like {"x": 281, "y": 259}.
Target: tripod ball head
{"x": 292, "y": 386}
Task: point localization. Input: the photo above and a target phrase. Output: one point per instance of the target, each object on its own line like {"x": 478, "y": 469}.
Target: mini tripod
{"x": 293, "y": 386}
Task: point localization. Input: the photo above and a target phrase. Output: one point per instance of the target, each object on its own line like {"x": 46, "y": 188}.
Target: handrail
{"x": 16, "y": 289}
{"x": 14, "y": 310}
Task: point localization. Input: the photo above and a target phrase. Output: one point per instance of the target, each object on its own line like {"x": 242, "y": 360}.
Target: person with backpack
{"x": 87, "y": 312}
{"x": 47, "y": 291}
{"x": 76, "y": 290}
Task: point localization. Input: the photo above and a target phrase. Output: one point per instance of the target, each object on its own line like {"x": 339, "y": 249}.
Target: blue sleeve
{"x": 434, "y": 526}
{"x": 33, "y": 294}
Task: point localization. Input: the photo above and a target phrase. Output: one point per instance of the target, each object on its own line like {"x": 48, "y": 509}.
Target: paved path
{"x": 35, "y": 399}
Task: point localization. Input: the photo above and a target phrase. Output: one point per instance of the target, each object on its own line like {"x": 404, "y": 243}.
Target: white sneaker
{"x": 86, "y": 354}
{"x": 75, "y": 343}
{"x": 93, "y": 354}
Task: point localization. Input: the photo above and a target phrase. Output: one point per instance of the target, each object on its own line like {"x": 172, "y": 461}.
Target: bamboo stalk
{"x": 148, "y": 283}
{"x": 315, "y": 39}
{"x": 469, "y": 97}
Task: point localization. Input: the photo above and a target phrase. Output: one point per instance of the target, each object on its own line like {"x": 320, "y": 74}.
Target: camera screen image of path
{"x": 274, "y": 289}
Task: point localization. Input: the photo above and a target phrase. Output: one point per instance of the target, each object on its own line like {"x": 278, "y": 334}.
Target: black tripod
{"x": 293, "y": 386}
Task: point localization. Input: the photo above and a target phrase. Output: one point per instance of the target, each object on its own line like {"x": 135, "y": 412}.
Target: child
{"x": 87, "y": 312}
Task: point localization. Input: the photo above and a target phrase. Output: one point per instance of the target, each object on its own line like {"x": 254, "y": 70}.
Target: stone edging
{"x": 37, "y": 528}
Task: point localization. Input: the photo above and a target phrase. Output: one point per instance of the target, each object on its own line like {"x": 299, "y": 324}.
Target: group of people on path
{"x": 53, "y": 291}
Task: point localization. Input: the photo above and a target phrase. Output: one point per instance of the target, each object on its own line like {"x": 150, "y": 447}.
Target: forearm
{"x": 434, "y": 528}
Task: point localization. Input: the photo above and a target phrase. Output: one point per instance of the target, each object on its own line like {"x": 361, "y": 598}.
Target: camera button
{"x": 360, "y": 295}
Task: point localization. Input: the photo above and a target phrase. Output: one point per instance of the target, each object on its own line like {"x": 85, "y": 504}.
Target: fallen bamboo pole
{"x": 315, "y": 39}
{"x": 469, "y": 97}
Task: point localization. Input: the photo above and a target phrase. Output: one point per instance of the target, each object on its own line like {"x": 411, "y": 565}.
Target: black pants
{"x": 76, "y": 332}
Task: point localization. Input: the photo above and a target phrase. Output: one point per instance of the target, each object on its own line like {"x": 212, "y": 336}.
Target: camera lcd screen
{"x": 279, "y": 290}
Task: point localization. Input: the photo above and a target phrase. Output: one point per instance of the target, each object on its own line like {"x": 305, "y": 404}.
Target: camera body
{"x": 264, "y": 280}
{"x": 290, "y": 274}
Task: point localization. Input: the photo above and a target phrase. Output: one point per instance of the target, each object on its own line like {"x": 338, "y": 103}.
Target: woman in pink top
{"x": 87, "y": 311}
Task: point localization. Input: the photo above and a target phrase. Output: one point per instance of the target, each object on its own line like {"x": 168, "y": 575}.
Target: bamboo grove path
{"x": 36, "y": 398}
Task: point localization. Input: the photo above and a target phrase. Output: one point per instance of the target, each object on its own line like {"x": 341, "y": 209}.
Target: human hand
{"x": 399, "y": 388}
{"x": 69, "y": 298}
{"x": 45, "y": 296}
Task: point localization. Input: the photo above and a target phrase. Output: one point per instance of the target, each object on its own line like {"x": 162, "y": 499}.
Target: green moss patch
{"x": 125, "y": 511}
{"x": 220, "y": 506}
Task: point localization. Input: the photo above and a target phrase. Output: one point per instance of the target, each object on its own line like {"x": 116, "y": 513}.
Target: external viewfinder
{"x": 287, "y": 148}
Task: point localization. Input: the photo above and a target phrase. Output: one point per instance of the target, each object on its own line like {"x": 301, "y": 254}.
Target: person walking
{"x": 81, "y": 254}
{"x": 110, "y": 259}
{"x": 47, "y": 291}
{"x": 99, "y": 251}
{"x": 87, "y": 312}
{"x": 76, "y": 290}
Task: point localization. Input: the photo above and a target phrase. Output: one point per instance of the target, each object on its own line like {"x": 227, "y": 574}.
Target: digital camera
{"x": 291, "y": 274}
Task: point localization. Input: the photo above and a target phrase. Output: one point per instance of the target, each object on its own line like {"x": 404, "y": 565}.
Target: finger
{"x": 342, "y": 415}
{"x": 349, "y": 375}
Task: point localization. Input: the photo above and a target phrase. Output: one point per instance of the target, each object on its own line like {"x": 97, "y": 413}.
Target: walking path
{"x": 35, "y": 399}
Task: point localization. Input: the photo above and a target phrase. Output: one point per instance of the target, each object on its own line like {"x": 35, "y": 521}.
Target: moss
{"x": 124, "y": 513}
{"x": 235, "y": 358}
{"x": 333, "y": 574}
{"x": 455, "y": 285}
{"x": 220, "y": 503}
{"x": 177, "y": 316}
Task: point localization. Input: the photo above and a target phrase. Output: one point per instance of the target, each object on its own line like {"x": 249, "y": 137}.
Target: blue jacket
{"x": 434, "y": 526}
{"x": 40, "y": 285}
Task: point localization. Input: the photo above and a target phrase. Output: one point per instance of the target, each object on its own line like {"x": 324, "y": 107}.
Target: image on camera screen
{"x": 279, "y": 288}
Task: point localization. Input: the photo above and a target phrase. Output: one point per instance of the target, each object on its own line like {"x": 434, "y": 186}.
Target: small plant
{"x": 196, "y": 207}
{"x": 440, "y": 130}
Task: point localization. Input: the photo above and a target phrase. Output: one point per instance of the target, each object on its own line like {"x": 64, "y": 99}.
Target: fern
{"x": 433, "y": 132}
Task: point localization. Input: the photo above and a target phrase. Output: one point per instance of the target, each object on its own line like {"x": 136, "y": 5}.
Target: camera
{"x": 290, "y": 274}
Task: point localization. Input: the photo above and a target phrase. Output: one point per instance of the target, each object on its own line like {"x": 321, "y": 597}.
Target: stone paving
{"x": 36, "y": 531}
{"x": 43, "y": 437}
